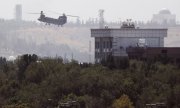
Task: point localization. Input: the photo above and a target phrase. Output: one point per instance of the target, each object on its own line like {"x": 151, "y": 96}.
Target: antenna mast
{"x": 101, "y": 18}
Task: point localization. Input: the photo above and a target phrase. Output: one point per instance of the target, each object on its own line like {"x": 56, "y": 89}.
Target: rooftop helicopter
{"x": 60, "y": 21}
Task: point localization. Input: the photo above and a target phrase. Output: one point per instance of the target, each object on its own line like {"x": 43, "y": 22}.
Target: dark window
{"x": 115, "y": 50}
{"x": 110, "y": 44}
{"x": 96, "y": 44}
{"x": 97, "y": 55}
{"x": 104, "y": 44}
{"x": 107, "y": 44}
{"x": 164, "y": 51}
{"x": 121, "y": 47}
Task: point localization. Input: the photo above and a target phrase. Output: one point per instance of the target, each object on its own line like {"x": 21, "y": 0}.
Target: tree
{"x": 23, "y": 62}
{"x": 123, "y": 102}
{"x": 21, "y": 105}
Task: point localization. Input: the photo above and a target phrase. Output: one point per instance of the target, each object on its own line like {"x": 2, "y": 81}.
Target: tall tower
{"x": 101, "y": 18}
{"x": 18, "y": 12}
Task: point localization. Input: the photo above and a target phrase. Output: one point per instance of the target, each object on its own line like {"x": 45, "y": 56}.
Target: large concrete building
{"x": 109, "y": 41}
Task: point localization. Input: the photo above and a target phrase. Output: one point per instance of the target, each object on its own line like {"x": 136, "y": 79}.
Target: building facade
{"x": 114, "y": 42}
{"x": 172, "y": 53}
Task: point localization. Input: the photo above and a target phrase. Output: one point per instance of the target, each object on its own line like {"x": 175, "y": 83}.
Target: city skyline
{"x": 115, "y": 10}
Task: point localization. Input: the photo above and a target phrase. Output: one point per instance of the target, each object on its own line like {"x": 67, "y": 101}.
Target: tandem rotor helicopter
{"x": 48, "y": 20}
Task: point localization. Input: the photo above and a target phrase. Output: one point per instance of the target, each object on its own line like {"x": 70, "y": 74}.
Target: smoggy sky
{"x": 114, "y": 9}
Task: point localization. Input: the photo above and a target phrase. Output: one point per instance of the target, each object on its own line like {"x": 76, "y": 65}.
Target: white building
{"x": 164, "y": 17}
{"x": 115, "y": 41}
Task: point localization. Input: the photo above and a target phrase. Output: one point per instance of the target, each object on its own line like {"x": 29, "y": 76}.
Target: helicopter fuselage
{"x": 60, "y": 21}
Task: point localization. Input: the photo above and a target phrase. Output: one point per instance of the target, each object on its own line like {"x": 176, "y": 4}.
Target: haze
{"x": 114, "y": 9}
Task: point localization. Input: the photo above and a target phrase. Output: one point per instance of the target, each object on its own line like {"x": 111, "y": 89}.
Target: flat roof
{"x": 128, "y": 32}
{"x": 129, "y": 29}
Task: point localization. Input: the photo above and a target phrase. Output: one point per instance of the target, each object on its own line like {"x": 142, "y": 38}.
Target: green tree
{"x": 23, "y": 62}
{"x": 123, "y": 102}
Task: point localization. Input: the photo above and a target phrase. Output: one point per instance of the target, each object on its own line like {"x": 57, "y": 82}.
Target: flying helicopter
{"x": 48, "y": 20}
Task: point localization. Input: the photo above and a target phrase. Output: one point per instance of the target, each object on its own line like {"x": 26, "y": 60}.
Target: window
{"x": 104, "y": 44}
{"x": 121, "y": 47}
{"x": 107, "y": 44}
{"x": 164, "y": 51}
{"x": 96, "y": 45}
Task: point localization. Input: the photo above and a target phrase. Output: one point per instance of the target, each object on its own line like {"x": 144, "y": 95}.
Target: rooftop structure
{"x": 18, "y": 12}
{"x": 101, "y": 18}
{"x": 164, "y": 17}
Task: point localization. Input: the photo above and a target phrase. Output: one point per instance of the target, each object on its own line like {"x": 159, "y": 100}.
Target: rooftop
{"x": 164, "y": 11}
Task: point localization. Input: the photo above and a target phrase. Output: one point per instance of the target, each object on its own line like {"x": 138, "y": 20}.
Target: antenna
{"x": 119, "y": 21}
{"x": 101, "y": 18}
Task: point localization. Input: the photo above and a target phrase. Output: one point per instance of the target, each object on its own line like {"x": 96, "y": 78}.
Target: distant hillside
{"x": 30, "y": 37}
{"x": 73, "y": 39}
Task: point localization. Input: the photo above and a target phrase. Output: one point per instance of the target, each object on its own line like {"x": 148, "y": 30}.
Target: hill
{"x": 29, "y": 37}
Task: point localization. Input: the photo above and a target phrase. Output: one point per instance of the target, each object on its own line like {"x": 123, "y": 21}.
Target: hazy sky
{"x": 114, "y": 9}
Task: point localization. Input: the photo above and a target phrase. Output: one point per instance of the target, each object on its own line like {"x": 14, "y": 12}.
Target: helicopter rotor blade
{"x": 55, "y": 12}
{"x": 72, "y": 16}
{"x": 63, "y": 13}
{"x": 33, "y": 13}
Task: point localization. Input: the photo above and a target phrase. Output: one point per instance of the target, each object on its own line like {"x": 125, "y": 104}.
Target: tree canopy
{"x": 45, "y": 82}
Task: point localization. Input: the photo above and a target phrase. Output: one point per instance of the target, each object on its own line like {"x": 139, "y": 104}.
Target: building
{"x": 164, "y": 17}
{"x": 173, "y": 39}
{"x": 18, "y": 12}
{"x": 156, "y": 105}
{"x": 109, "y": 41}
{"x": 144, "y": 53}
{"x": 69, "y": 104}
{"x": 173, "y": 32}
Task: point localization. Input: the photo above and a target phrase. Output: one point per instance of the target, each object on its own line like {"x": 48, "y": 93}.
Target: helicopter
{"x": 48, "y": 20}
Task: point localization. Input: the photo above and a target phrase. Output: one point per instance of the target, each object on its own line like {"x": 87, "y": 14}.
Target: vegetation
{"x": 32, "y": 82}
{"x": 123, "y": 102}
